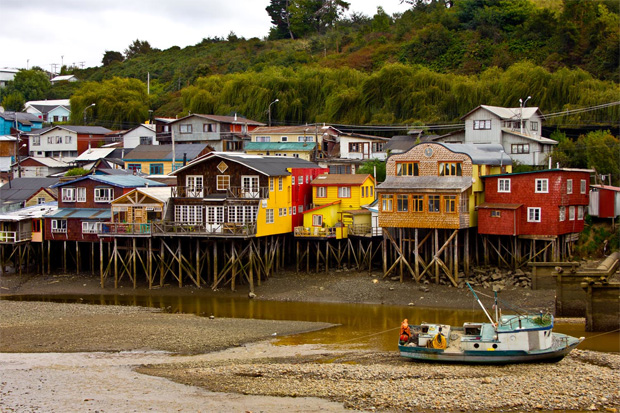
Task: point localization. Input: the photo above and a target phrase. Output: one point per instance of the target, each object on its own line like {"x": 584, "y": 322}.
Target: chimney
{"x": 184, "y": 159}
{"x": 235, "y": 116}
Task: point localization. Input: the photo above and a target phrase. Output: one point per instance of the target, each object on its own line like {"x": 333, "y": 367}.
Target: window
{"x": 305, "y": 139}
{"x": 321, "y": 192}
{"x": 50, "y": 139}
{"x": 377, "y": 146}
{"x": 503, "y": 185}
{"x": 271, "y": 184}
{"x": 402, "y": 203}
{"x": 433, "y": 203}
{"x": 282, "y": 212}
{"x": 59, "y": 225}
{"x": 450, "y": 169}
{"x": 340, "y": 169}
{"x": 417, "y": 203}
{"x": 562, "y": 213}
{"x": 263, "y": 139}
{"x": 534, "y": 126}
{"x": 449, "y": 203}
{"x": 355, "y": 147}
{"x": 40, "y": 200}
{"x": 290, "y": 211}
{"x": 185, "y": 128}
{"x": 344, "y": 192}
{"x": 482, "y": 124}
{"x": 146, "y": 140}
{"x": 249, "y": 186}
{"x": 68, "y": 195}
{"x": 571, "y": 213}
{"x": 91, "y": 227}
{"x": 496, "y": 214}
{"x": 300, "y": 208}
{"x": 386, "y": 202}
{"x": 223, "y": 182}
{"x": 583, "y": 186}
{"x": 208, "y": 127}
{"x": 188, "y": 214}
{"x": 104, "y": 194}
{"x": 269, "y": 216}
{"x": 284, "y": 139}
{"x": 36, "y": 225}
{"x": 533, "y": 215}
{"x": 280, "y": 183}
{"x": 580, "y": 211}
{"x": 58, "y": 139}
{"x": 542, "y": 186}
{"x": 317, "y": 220}
{"x": 569, "y": 186}
{"x": 156, "y": 169}
{"x": 135, "y": 167}
{"x": 520, "y": 148}
{"x": 81, "y": 194}
{"x": 407, "y": 169}
{"x": 294, "y": 210}
{"x": 194, "y": 186}
{"x": 36, "y": 140}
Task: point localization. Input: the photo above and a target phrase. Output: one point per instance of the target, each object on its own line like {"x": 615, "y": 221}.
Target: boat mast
{"x": 481, "y": 306}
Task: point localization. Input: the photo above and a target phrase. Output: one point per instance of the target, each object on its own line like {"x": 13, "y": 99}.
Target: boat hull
{"x": 552, "y": 354}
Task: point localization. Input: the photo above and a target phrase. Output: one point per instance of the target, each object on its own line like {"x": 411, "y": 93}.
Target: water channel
{"x": 359, "y": 325}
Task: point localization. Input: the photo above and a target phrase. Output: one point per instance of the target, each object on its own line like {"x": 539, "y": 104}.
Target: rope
{"x": 369, "y": 335}
{"x": 602, "y": 334}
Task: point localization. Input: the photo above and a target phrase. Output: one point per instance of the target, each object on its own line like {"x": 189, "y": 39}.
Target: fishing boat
{"x": 519, "y": 338}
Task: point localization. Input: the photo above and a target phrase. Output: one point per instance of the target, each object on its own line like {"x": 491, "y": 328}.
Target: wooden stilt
{"x": 101, "y": 274}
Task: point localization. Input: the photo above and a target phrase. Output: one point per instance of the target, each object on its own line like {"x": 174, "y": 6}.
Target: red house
{"x": 84, "y": 204}
{"x": 544, "y": 203}
{"x": 604, "y": 201}
{"x": 301, "y": 191}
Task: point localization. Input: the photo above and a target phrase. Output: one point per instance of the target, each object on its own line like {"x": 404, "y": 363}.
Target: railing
{"x": 115, "y": 228}
{"x": 11, "y": 237}
{"x": 315, "y": 232}
{"x": 231, "y": 192}
{"x": 222, "y": 228}
{"x": 365, "y": 230}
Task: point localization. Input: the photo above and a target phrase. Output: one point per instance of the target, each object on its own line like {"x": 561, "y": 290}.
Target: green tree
{"x": 33, "y": 84}
{"x": 138, "y": 47}
{"x": 602, "y": 151}
{"x": 110, "y": 57}
{"x": 369, "y": 167}
{"x": 13, "y": 101}
{"x": 119, "y": 103}
{"x": 280, "y": 18}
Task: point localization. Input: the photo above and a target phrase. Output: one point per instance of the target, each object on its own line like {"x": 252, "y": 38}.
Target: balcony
{"x": 120, "y": 229}
{"x": 222, "y": 229}
{"x": 231, "y": 192}
{"x": 13, "y": 237}
{"x": 365, "y": 230}
{"x": 316, "y": 232}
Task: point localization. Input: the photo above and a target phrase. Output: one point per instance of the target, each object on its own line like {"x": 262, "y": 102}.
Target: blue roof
{"x": 122, "y": 181}
{"x": 91, "y": 213}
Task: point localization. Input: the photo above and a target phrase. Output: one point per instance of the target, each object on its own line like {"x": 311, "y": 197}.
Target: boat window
{"x": 472, "y": 331}
{"x": 425, "y": 329}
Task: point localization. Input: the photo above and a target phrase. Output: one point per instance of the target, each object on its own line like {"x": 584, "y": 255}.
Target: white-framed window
{"x": 571, "y": 213}
{"x": 583, "y": 186}
{"x": 569, "y": 186}
{"x": 40, "y": 200}
{"x": 104, "y": 194}
{"x": 249, "y": 186}
{"x": 282, "y": 212}
{"x": 533, "y": 215}
{"x": 36, "y": 140}
{"x": 284, "y": 139}
{"x": 90, "y": 227}
{"x": 208, "y": 127}
{"x": 263, "y": 139}
{"x": 223, "y": 182}
{"x": 542, "y": 186}
{"x": 68, "y": 194}
{"x": 146, "y": 140}
{"x": 307, "y": 138}
{"x": 307, "y": 179}
{"x": 81, "y": 194}
{"x": 503, "y": 185}
{"x": 344, "y": 192}
{"x": 321, "y": 192}
{"x": 188, "y": 214}
{"x": 533, "y": 126}
{"x": 290, "y": 210}
{"x": 59, "y": 225}
{"x": 580, "y": 212}
{"x": 562, "y": 213}
{"x": 317, "y": 220}
{"x": 482, "y": 124}
{"x": 520, "y": 148}
{"x": 194, "y": 186}
{"x": 387, "y": 202}
{"x": 269, "y": 216}
{"x": 295, "y": 210}
{"x": 185, "y": 128}
{"x": 271, "y": 184}
{"x": 496, "y": 213}
{"x": 280, "y": 183}
{"x": 58, "y": 139}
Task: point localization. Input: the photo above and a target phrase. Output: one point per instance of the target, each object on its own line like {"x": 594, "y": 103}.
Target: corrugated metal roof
{"x": 94, "y": 154}
{"x": 498, "y": 205}
{"x": 480, "y": 154}
{"x": 164, "y": 152}
{"x": 87, "y": 213}
{"x": 280, "y": 146}
{"x": 122, "y": 181}
{"x": 340, "y": 179}
{"x": 426, "y": 183}
{"x": 308, "y": 130}
{"x": 223, "y": 119}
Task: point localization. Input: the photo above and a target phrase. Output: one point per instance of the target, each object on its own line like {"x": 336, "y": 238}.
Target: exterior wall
{"x": 301, "y": 191}
{"x": 34, "y": 200}
{"x": 354, "y": 202}
{"x": 523, "y": 191}
{"x": 329, "y": 213}
{"x": 132, "y": 138}
{"x": 308, "y": 136}
{"x": 74, "y": 231}
{"x": 366, "y": 148}
{"x": 308, "y": 156}
{"x": 145, "y": 166}
{"x": 47, "y": 143}
{"x": 59, "y": 114}
{"x": 492, "y": 135}
{"x": 507, "y": 223}
{"x": 196, "y": 135}
{"x": 90, "y": 186}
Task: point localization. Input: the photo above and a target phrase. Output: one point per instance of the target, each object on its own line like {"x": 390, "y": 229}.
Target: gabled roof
{"x": 363, "y": 136}
{"x": 606, "y": 187}
{"x": 122, "y": 181}
{"x": 147, "y": 126}
{"x": 161, "y": 194}
{"x": 164, "y": 152}
{"x": 508, "y": 113}
{"x": 322, "y": 206}
{"x": 340, "y": 179}
{"x": 7, "y": 138}
{"x": 49, "y": 162}
{"x": 539, "y": 139}
{"x": 94, "y": 154}
{"x": 280, "y": 146}
{"x": 86, "y": 213}
{"x": 267, "y": 165}
{"x": 222, "y": 119}
{"x": 480, "y": 154}
{"x": 51, "y": 102}
{"x": 20, "y": 189}
{"x": 82, "y": 130}
{"x": 22, "y": 117}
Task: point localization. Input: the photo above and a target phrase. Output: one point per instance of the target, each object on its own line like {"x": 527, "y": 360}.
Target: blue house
{"x": 26, "y": 122}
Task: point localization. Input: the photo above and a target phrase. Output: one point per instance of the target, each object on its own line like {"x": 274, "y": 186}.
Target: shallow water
{"x": 359, "y": 325}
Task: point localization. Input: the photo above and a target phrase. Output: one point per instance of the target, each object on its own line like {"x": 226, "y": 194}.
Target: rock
{"x": 411, "y": 304}
{"x": 251, "y": 295}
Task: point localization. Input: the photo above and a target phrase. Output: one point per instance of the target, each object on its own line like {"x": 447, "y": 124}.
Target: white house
{"x": 7, "y": 75}
{"x": 363, "y": 147}
{"x": 518, "y": 130}
{"x": 140, "y": 135}
{"x": 63, "y": 78}
{"x": 57, "y": 110}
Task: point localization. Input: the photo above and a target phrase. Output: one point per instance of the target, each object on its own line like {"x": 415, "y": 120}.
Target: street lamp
{"x": 521, "y": 113}
{"x": 277, "y": 100}
{"x": 89, "y": 106}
